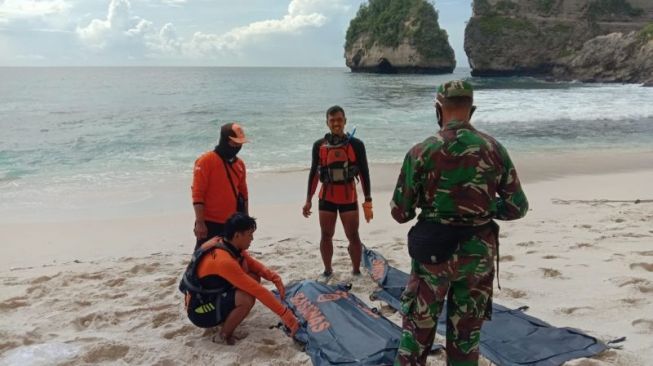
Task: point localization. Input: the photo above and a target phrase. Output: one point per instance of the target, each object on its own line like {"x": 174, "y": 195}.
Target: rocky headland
{"x": 587, "y": 40}
{"x": 398, "y": 36}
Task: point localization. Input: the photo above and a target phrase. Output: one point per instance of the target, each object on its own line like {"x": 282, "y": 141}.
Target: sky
{"x": 190, "y": 32}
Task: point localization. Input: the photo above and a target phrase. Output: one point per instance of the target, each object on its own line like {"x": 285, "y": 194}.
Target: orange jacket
{"x": 219, "y": 262}
{"x": 211, "y": 186}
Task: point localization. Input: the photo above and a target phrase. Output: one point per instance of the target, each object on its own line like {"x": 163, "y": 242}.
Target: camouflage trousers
{"x": 465, "y": 281}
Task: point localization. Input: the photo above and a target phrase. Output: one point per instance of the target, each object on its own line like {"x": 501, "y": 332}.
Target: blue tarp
{"x": 338, "y": 328}
{"x": 511, "y": 338}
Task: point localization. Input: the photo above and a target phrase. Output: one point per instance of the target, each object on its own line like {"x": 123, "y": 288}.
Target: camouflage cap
{"x": 454, "y": 89}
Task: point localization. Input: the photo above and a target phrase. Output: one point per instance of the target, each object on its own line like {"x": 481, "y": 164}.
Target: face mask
{"x": 227, "y": 151}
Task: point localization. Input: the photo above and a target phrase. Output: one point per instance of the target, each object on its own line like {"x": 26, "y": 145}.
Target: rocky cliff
{"x": 398, "y": 36}
{"x": 591, "y": 40}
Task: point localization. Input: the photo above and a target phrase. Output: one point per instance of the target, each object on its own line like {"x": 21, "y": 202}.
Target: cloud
{"x": 303, "y": 7}
{"x": 302, "y": 14}
{"x": 21, "y": 9}
{"x": 123, "y": 32}
{"x": 241, "y": 36}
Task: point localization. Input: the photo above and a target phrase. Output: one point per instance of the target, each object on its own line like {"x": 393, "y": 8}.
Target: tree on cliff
{"x": 390, "y": 22}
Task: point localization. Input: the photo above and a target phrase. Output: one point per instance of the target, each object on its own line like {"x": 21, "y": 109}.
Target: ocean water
{"x": 123, "y": 132}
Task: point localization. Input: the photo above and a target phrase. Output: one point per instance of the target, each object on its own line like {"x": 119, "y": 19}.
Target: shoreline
{"x": 164, "y": 221}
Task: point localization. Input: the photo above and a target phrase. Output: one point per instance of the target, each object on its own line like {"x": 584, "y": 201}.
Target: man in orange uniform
{"x": 337, "y": 160}
{"x": 219, "y": 184}
{"x": 222, "y": 281}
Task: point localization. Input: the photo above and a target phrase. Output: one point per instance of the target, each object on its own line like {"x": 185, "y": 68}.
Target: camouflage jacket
{"x": 460, "y": 176}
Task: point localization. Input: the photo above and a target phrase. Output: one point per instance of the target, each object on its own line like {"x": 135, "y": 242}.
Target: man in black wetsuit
{"x": 337, "y": 160}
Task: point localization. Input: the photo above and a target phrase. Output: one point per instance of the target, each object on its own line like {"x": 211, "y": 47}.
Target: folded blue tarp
{"x": 511, "y": 338}
{"x": 338, "y": 328}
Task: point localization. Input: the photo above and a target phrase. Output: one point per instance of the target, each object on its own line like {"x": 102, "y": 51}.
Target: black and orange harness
{"x": 337, "y": 163}
{"x": 190, "y": 284}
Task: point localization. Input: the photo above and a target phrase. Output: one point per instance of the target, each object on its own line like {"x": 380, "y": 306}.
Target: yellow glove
{"x": 367, "y": 211}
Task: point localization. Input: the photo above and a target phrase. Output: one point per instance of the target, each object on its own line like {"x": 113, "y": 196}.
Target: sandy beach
{"x": 103, "y": 290}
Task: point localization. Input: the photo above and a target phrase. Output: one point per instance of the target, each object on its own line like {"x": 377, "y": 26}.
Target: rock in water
{"x": 398, "y": 36}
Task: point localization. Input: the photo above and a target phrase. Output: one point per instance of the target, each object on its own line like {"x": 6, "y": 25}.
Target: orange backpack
{"x": 337, "y": 163}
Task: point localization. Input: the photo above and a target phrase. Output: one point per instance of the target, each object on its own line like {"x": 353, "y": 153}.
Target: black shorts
{"x": 213, "y": 229}
{"x": 214, "y": 313}
{"x": 325, "y": 205}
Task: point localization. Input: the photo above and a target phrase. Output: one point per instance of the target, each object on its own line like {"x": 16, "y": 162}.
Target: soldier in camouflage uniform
{"x": 459, "y": 177}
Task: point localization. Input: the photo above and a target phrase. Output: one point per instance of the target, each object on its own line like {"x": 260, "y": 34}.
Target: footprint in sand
{"x": 645, "y": 289}
{"x": 583, "y": 226}
{"x": 41, "y": 279}
{"x": 115, "y": 282}
{"x": 10, "y": 281}
{"x": 147, "y": 268}
{"x": 271, "y": 352}
{"x": 105, "y": 353}
{"x": 186, "y": 329}
{"x": 633, "y": 301}
{"x": 550, "y": 257}
{"x": 14, "y": 303}
{"x": 507, "y": 258}
{"x": 95, "y": 321}
{"x": 7, "y": 345}
{"x": 526, "y": 244}
{"x": 582, "y": 245}
{"x": 646, "y": 266}
{"x": 167, "y": 282}
{"x": 37, "y": 291}
{"x": 165, "y": 362}
{"x": 269, "y": 342}
{"x": 648, "y": 253}
{"x": 621, "y": 281}
{"x": 164, "y": 318}
{"x": 551, "y": 273}
{"x": 643, "y": 325}
{"x": 575, "y": 310}
{"x": 515, "y": 294}
{"x": 90, "y": 276}
{"x": 531, "y": 252}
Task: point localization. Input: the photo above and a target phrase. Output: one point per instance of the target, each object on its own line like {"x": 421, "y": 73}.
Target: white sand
{"x": 89, "y": 291}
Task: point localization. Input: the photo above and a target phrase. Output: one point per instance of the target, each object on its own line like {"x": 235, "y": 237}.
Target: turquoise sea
{"x": 69, "y": 130}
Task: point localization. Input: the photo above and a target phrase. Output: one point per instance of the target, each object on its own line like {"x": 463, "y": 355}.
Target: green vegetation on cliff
{"x": 389, "y": 22}
{"x": 601, "y": 9}
{"x": 545, "y": 6}
{"x": 494, "y": 24}
{"x": 646, "y": 34}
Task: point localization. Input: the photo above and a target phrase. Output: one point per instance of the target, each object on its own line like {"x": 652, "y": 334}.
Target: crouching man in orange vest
{"x": 222, "y": 282}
